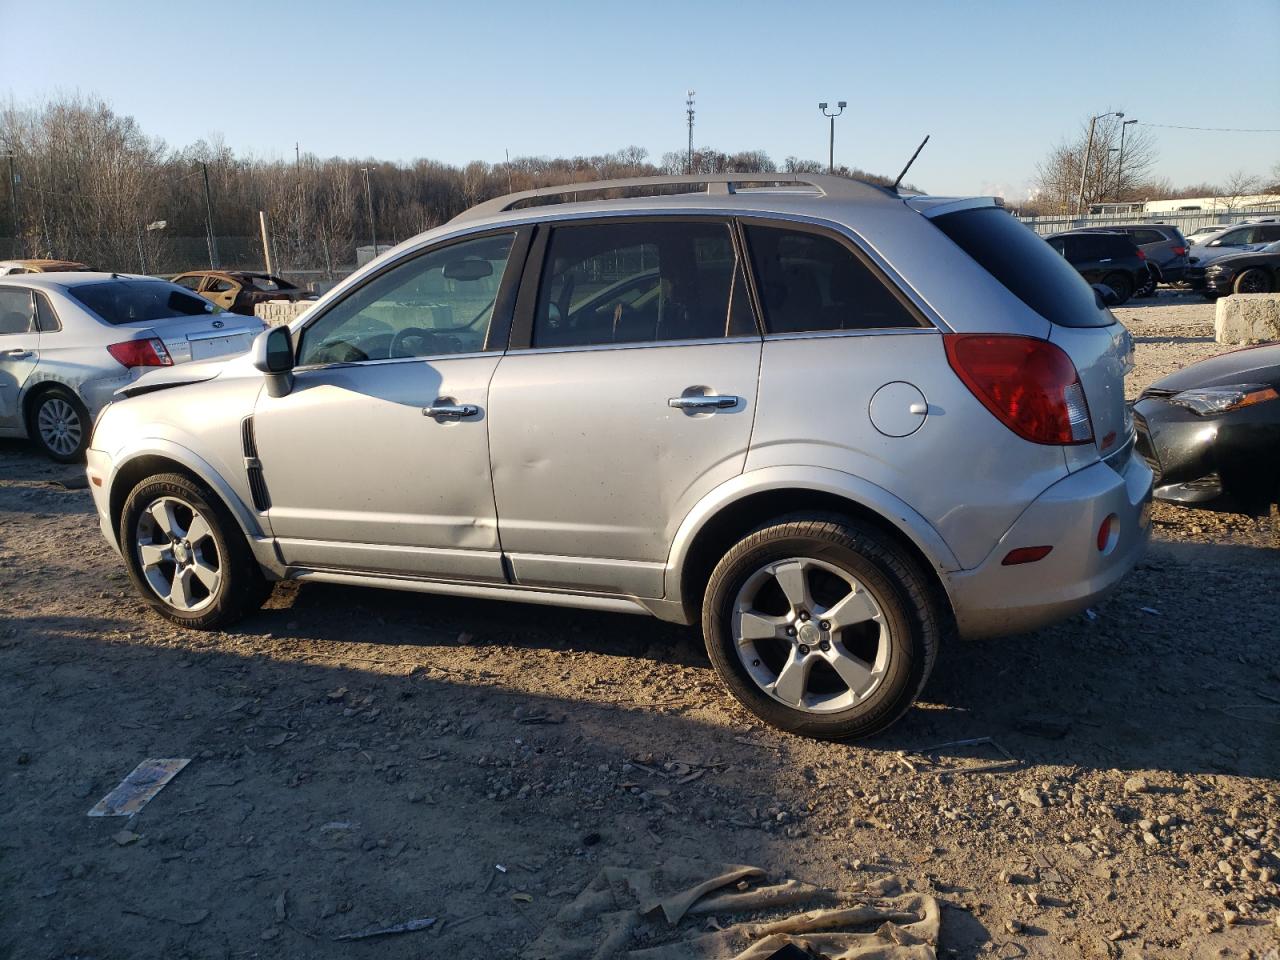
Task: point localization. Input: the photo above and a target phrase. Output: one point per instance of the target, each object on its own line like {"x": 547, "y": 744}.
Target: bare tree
{"x": 1112, "y": 175}
{"x": 1238, "y": 186}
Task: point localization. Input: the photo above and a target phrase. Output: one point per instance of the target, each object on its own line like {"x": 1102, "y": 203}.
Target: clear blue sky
{"x": 995, "y": 83}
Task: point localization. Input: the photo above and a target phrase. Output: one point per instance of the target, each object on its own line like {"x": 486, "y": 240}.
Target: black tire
{"x": 1148, "y": 289}
{"x": 1253, "y": 280}
{"x": 241, "y": 588}
{"x": 1211, "y": 297}
{"x": 1121, "y": 285}
{"x": 908, "y": 605}
{"x": 59, "y": 424}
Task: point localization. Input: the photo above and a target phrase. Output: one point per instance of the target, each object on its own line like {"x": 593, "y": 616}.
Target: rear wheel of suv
{"x": 821, "y": 627}
{"x": 186, "y": 554}
{"x": 1253, "y": 280}
{"x": 1120, "y": 284}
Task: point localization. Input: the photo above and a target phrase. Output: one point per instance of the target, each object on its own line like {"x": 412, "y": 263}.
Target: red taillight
{"x": 1179, "y": 251}
{"x": 1029, "y": 385}
{"x": 1105, "y": 531}
{"x": 1142, "y": 255}
{"x": 141, "y": 353}
{"x": 1025, "y": 555}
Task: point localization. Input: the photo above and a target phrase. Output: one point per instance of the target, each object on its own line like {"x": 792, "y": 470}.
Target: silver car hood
{"x": 161, "y": 378}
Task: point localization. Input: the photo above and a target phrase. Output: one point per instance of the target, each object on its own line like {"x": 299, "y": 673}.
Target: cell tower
{"x": 688, "y": 103}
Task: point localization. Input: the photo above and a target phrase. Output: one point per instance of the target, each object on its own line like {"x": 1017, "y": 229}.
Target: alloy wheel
{"x": 178, "y": 554}
{"x": 59, "y": 425}
{"x": 810, "y": 635}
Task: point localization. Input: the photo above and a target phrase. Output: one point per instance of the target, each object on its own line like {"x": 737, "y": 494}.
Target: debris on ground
{"x": 409, "y": 926}
{"x": 640, "y": 914}
{"x": 136, "y": 790}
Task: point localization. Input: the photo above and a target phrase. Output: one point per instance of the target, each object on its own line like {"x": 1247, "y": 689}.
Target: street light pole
{"x": 1088, "y": 155}
{"x": 368, "y": 195}
{"x": 1120, "y": 163}
{"x": 831, "y": 143}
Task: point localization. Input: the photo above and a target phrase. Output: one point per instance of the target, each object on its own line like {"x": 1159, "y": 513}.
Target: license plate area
{"x": 207, "y": 347}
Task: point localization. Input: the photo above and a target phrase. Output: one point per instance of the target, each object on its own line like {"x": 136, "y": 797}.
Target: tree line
{"x": 90, "y": 185}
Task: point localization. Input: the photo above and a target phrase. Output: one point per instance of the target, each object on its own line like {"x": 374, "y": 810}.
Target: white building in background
{"x": 1190, "y": 205}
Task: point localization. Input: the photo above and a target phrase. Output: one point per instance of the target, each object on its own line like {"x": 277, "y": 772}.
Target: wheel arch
{"x": 167, "y": 457}
{"x": 31, "y": 392}
{"x": 733, "y": 510}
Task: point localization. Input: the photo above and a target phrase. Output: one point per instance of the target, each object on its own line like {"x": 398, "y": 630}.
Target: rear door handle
{"x": 452, "y": 411}
{"x": 703, "y": 402}
{"x": 18, "y": 354}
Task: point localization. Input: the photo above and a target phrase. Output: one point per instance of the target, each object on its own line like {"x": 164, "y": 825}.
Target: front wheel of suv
{"x": 186, "y": 554}
{"x": 821, "y": 627}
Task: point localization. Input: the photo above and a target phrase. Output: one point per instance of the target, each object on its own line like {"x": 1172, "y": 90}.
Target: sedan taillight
{"x": 141, "y": 353}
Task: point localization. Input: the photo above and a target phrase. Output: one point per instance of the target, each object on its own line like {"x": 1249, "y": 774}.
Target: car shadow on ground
{"x": 323, "y": 799}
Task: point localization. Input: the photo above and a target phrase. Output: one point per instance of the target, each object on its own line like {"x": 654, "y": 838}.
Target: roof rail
{"x": 714, "y": 183}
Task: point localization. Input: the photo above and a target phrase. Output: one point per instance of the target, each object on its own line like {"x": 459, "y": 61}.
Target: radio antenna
{"x": 910, "y": 162}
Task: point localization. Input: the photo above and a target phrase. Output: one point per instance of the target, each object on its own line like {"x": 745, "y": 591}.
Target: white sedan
{"x": 68, "y": 341}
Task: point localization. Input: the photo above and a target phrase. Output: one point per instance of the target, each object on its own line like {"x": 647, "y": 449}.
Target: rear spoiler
{"x": 937, "y": 206}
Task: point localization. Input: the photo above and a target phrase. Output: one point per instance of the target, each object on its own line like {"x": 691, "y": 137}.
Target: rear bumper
{"x": 993, "y": 600}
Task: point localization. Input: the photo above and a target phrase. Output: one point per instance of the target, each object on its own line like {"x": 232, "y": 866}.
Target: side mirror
{"x": 273, "y": 355}
{"x": 1106, "y": 296}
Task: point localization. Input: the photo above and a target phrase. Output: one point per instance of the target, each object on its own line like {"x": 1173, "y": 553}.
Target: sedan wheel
{"x": 1253, "y": 280}
{"x": 60, "y": 425}
{"x": 810, "y": 635}
{"x": 178, "y": 554}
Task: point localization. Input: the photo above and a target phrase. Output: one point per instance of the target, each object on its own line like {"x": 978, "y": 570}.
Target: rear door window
{"x": 1025, "y": 265}
{"x": 17, "y": 314}
{"x": 812, "y": 282}
{"x": 640, "y": 282}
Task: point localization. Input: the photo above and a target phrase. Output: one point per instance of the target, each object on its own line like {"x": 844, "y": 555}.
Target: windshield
{"x": 139, "y": 301}
{"x": 1028, "y": 266}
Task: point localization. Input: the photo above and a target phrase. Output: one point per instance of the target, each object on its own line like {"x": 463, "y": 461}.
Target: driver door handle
{"x": 17, "y": 354}
{"x": 703, "y": 403}
{"x": 452, "y": 411}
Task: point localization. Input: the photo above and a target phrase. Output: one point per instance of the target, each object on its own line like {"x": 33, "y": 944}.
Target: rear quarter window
{"x": 1026, "y": 265}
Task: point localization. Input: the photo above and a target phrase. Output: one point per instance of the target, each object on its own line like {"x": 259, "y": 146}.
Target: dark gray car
{"x": 1164, "y": 245}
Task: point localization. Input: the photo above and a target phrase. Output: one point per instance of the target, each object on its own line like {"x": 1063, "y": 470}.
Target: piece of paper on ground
{"x": 135, "y": 790}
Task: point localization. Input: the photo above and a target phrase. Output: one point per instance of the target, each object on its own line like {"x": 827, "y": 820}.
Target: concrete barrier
{"x": 1245, "y": 317}
{"x": 276, "y": 313}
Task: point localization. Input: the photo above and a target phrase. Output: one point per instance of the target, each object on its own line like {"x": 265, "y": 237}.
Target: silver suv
{"x": 831, "y": 424}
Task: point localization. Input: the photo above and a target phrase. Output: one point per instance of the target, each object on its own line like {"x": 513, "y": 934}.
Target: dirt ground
{"x": 363, "y": 757}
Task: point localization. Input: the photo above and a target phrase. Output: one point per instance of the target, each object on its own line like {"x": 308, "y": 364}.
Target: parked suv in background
{"x": 830, "y": 423}
{"x": 1163, "y": 245}
{"x": 1111, "y": 259}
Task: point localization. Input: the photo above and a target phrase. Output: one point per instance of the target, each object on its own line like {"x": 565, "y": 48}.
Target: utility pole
{"x": 266, "y": 245}
{"x": 688, "y": 104}
{"x": 368, "y": 195}
{"x": 831, "y": 143}
{"x": 208, "y": 220}
{"x": 1088, "y": 155}
{"x": 1120, "y": 163}
{"x": 13, "y": 207}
